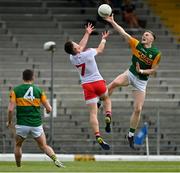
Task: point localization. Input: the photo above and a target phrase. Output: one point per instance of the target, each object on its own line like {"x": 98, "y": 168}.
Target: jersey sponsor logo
{"x": 144, "y": 58}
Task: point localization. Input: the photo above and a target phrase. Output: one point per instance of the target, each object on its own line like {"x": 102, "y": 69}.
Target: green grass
{"x": 92, "y": 166}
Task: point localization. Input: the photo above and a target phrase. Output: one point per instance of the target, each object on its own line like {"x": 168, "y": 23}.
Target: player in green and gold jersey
{"x": 28, "y": 98}
{"x": 145, "y": 61}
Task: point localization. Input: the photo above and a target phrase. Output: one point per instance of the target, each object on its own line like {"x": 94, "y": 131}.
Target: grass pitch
{"x": 93, "y": 166}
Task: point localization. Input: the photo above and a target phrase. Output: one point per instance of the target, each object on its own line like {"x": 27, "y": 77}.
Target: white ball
{"x": 50, "y": 45}
{"x": 104, "y": 10}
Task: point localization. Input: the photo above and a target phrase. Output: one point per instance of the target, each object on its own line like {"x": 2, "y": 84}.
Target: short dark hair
{"x": 28, "y": 75}
{"x": 68, "y": 47}
{"x": 151, "y": 33}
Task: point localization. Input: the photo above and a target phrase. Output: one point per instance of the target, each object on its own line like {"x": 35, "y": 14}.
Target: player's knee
{"x": 18, "y": 144}
{"x": 112, "y": 86}
{"x": 115, "y": 84}
{"x": 93, "y": 116}
{"x": 137, "y": 110}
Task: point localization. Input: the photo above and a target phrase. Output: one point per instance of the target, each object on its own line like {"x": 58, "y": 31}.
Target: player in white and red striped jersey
{"x": 93, "y": 84}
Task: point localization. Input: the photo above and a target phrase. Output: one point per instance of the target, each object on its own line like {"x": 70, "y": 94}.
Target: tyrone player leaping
{"x": 93, "y": 84}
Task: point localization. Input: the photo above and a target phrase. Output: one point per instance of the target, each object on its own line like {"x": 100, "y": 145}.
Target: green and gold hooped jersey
{"x": 28, "y": 99}
{"x": 146, "y": 57}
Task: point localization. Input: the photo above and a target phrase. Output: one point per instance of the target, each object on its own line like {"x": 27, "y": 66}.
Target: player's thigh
{"x": 41, "y": 140}
{"x": 93, "y": 112}
{"x": 139, "y": 97}
{"x": 92, "y": 108}
{"x": 121, "y": 80}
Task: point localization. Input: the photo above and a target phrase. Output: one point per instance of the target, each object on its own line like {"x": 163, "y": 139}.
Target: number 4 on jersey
{"x": 29, "y": 94}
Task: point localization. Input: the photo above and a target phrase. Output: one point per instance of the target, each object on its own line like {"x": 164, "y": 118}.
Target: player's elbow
{"x": 82, "y": 48}
{"x": 153, "y": 72}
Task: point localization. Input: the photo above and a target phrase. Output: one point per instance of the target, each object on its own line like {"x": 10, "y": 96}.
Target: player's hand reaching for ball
{"x": 109, "y": 19}
{"x": 89, "y": 28}
{"x": 105, "y": 34}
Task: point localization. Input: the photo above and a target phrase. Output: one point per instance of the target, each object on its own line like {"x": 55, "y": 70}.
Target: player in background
{"x": 93, "y": 84}
{"x": 27, "y": 99}
{"x": 145, "y": 61}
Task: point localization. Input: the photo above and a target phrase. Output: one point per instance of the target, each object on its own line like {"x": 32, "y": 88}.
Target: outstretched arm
{"x": 117, "y": 27}
{"x": 101, "y": 46}
{"x": 84, "y": 40}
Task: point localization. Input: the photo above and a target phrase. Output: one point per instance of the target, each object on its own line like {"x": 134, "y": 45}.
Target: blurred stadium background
{"x": 24, "y": 27}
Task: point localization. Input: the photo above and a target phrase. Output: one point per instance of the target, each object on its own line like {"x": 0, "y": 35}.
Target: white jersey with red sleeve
{"x": 86, "y": 66}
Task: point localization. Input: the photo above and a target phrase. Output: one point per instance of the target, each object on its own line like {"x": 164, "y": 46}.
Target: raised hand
{"x": 109, "y": 18}
{"x": 89, "y": 28}
{"x": 105, "y": 34}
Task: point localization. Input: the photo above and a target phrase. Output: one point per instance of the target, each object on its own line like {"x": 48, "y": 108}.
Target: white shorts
{"x": 136, "y": 82}
{"x": 24, "y": 131}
